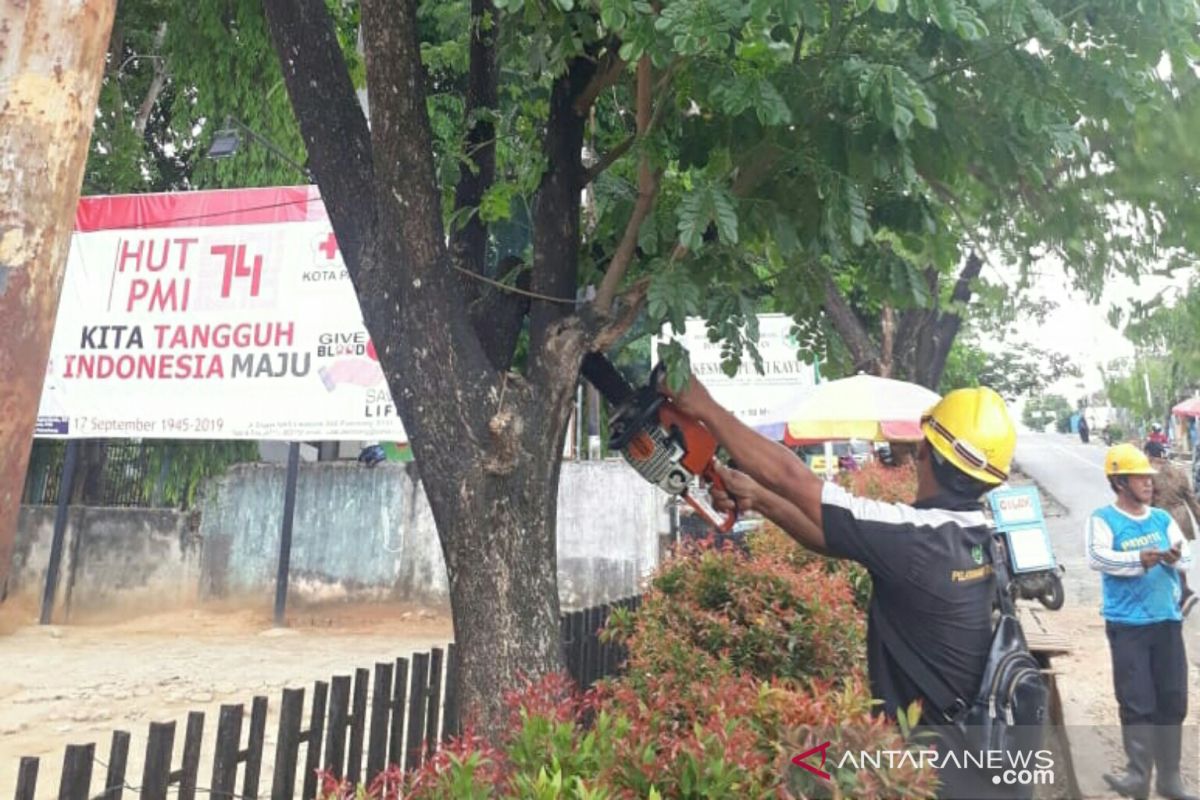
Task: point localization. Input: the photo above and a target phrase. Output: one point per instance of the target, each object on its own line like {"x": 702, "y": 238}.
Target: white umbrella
{"x": 863, "y": 407}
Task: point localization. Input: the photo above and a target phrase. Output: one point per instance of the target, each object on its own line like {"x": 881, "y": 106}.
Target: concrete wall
{"x": 359, "y": 534}
{"x": 369, "y": 533}
{"x": 113, "y": 558}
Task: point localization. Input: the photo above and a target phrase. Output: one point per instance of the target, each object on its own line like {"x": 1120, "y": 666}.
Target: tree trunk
{"x": 51, "y": 62}
{"x": 500, "y": 547}
{"x": 487, "y": 442}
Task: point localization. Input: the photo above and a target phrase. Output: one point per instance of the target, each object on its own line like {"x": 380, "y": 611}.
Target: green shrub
{"x": 736, "y": 664}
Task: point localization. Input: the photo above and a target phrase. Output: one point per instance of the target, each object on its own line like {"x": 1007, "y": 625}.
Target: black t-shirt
{"x": 930, "y": 565}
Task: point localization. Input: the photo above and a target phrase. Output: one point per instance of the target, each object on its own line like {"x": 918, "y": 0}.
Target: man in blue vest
{"x": 1140, "y": 551}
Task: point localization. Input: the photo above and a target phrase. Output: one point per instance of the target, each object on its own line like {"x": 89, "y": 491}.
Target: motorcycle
{"x": 1045, "y": 586}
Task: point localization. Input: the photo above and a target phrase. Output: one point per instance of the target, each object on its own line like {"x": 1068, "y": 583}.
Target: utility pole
{"x": 51, "y": 63}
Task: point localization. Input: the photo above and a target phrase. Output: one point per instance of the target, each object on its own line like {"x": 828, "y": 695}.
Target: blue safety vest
{"x": 1140, "y": 599}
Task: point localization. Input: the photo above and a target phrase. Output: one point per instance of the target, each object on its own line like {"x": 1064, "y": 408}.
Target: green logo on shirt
{"x": 977, "y": 553}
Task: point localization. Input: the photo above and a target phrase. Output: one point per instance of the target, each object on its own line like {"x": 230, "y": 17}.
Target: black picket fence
{"x": 396, "y": 714}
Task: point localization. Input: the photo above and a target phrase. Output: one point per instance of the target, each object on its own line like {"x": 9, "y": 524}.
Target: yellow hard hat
{"x": 971, "y": 429}
{"x": 1127, "y": 459}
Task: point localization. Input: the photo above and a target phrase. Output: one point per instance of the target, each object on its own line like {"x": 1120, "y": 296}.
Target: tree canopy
{"x": 859, "y": 164}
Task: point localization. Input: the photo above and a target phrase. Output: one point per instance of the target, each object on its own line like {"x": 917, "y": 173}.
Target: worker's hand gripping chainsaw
{"x": 666, "y": 447}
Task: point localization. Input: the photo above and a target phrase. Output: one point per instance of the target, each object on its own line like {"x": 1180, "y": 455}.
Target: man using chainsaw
{"x": 930, "y": 562}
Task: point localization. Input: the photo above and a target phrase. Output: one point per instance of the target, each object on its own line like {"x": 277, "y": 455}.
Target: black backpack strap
{"x": 948, "y": 704}
{"x": 1000, "y": 571}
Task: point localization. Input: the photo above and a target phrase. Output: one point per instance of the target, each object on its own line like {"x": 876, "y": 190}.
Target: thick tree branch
{"x": 156, "y": 84}
{"x": 647, "y": 192}
{"x": 609, "y": 158}
{"x": 556, "y": 218}
{"x": 407, "y": 195}
{"x": 608, "y": 74}
{"x": 887, "y": 341}
{"x": 469, "y": 242}
{"x": 851, "y": 330}
{"x": 497, "y": 315}
{"x": 629, "y": 303}
{"x": 948, "y": 324}
{"x": 661, "y": 89}
{"x": 331, "y": 120}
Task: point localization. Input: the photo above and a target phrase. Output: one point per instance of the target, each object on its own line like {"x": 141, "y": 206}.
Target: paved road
{"x": 1073, "y": 473}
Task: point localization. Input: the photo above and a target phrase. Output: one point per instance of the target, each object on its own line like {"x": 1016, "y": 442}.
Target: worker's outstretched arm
{"x": 770, "y": 464}
{"x": 752, "y": 496}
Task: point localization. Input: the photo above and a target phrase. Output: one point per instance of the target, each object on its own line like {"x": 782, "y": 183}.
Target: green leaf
{"x": 945, "y": 14}
{"x": 772, "y": 109}
{"x": 812, "y": 14}
{"x": 726, "y": 216}
{"x": 648, "y": 235}
{"x": 887, "y": 6}
{"x": 857, "y": 211}
{"x": 693, "y": 219}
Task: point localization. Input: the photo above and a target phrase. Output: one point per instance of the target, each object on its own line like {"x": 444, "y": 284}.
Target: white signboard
{"x": 749, "y": 395}
{"x": 212, "y": 315}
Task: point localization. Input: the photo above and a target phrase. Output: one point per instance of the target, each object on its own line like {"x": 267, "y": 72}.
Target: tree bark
{"x": 851, "y": 330}
{"x": 556, "y": 209}
{"x": 914, "y": 349}
{"x": 949, "y": 323}
{"x": 487, "y": 442}
{"x": 156, "y": 83}
{"x": 470, "y": 241}
{"x": 51, "y": 64}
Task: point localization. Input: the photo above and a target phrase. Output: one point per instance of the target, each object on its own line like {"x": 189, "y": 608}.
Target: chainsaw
{"x": 665, "y": 446}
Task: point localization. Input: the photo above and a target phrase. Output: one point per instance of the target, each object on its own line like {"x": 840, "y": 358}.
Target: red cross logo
{"x": 329, "y": 246}
{"x": 799, "y": 760}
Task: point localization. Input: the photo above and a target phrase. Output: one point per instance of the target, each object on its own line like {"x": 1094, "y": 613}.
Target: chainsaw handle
{"x": 723, "y": 524}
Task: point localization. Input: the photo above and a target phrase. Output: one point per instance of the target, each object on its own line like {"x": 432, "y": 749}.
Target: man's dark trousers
{"x": 1149, "y": 672}
{"x": 1150, "y": 678}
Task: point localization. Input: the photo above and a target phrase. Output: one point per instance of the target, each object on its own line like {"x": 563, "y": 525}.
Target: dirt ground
{"x": 74, "y": 684}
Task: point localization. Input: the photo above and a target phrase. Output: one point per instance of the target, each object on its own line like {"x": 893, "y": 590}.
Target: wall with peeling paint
{"x": 359, "y": 534}
{"x": 114, "y": 559}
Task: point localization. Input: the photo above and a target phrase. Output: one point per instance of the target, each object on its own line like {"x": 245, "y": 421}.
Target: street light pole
{"x": 226, "y": 142}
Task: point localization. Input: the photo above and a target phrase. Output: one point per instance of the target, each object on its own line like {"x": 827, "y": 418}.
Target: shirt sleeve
{"x": 877, "y": 535}
{"x": 1175, "y": 537}
{"x": 1101, "y": 555}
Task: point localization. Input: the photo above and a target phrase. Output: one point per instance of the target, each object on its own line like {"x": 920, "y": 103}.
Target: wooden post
{"x": 316, "y": 728}
{"x": 118, "y": 757}
{"x": 53, "y": 62}
{"x": 225, "y": 754}
{"x": 358, "y": 724}
{"x": 287, "y": 747}
{"x": 578, "y": 647}
{"x": 416, "y": 711}
{"x": 70, "y": 459}
{"x": 435, "y": 700}
{"x": 193, "y": 739}
{"x": 453, "y": 725}
{"x": 335, "y": 731}
{"x": 27, "y": 773}
{"x": 76, "y": 781}
{"x": 399, "y": 705}
{"x": 156, "y": 773}
{"x": 252, "y": 756}
{"x": 285, "y": 535}
{"x": 377, "y": 740}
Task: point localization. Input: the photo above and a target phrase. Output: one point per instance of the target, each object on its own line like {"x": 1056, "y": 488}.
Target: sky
{"x": 1080, "y": 329}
